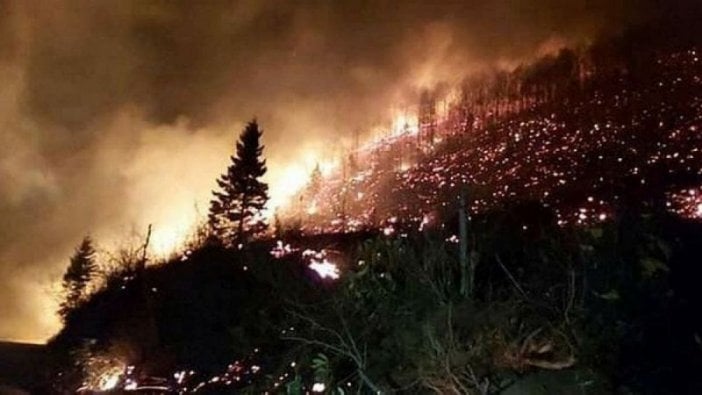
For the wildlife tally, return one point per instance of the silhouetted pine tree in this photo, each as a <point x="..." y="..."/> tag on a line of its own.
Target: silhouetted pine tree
<point x="77" y="277"/>
<point x="235" y="212"/>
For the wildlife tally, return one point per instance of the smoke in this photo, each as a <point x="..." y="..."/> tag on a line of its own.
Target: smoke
<point x="114" y="115"/>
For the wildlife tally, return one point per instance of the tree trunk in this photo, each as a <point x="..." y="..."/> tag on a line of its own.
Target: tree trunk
<point x="240" y="229"/>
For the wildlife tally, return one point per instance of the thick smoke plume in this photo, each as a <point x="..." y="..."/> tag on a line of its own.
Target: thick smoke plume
<point x="114" y="115"/>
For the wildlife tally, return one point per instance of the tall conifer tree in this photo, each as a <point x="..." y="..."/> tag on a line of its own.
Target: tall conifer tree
<point x="80" y="271"/>
<point x="236" y="210"/>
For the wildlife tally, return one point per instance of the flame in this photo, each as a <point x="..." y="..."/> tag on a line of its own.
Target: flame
<point x="110" y="381"/>
<point x="405" y="123"/>
<point x="104" y="373"/>
<point x="325" y="269"/>
<point x="286" y="182"/>
<point x="312" y="209"/>
<point x="173" y="233"/>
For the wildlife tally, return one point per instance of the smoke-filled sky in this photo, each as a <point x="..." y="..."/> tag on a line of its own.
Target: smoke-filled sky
<point x="117" y="114"/>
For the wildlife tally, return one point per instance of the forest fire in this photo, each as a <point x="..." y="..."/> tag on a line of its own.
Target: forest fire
<point x="448" y="197"/>
<point x="505" y="140"/>
<point x="487" y="146"/>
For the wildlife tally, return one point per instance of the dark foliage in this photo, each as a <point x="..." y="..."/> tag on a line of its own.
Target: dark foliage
<point x="235" y="211"/>
<point x="80" y="271"/>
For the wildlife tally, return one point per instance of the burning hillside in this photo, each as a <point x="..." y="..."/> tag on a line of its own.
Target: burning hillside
<point x="583" y="133"/>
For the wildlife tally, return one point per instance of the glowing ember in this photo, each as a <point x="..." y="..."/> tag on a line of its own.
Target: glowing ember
<point x="687" y="203"/>
<point x="281" y="250"/>
<point x="130" y="385"/>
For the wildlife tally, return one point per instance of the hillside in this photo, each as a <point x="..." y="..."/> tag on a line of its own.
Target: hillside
<point x="583" y="133"/>
<point x="208" y="309"/>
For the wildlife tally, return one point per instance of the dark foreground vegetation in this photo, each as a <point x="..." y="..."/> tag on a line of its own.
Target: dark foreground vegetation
<point x="539" y="309"/>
